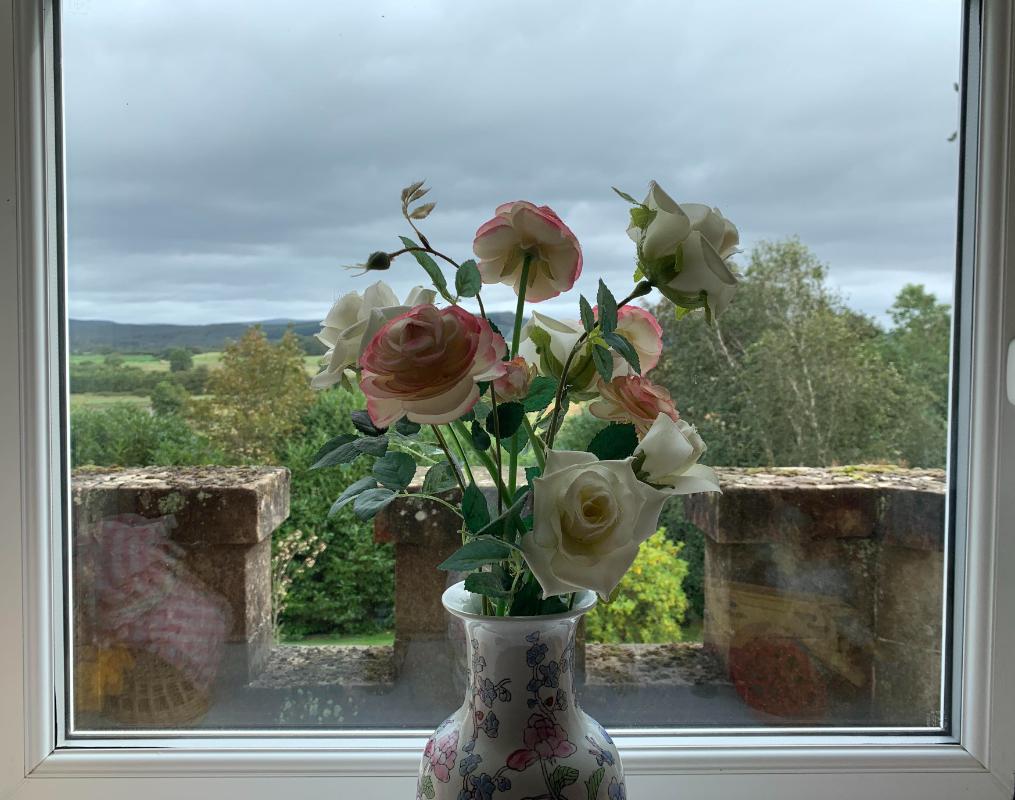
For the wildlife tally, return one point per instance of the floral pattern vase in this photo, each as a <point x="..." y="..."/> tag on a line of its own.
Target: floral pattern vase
<point x="520" y="732"/>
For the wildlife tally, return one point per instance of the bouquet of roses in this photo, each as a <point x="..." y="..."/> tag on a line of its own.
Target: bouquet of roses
<point x="448" y="392"/>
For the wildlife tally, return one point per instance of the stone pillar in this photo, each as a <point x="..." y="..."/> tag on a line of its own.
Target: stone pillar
<point x="219" y="521"/>
<point x="823" y="590"/>
<point x="425" y="534"/>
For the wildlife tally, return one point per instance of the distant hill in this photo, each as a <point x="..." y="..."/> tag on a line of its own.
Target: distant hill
<point x="90" y="336"/>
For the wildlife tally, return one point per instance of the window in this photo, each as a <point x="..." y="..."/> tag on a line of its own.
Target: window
<point x="919" y="724"/>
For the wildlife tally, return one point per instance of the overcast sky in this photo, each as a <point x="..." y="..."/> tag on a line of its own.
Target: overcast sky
<point x="224" y="159"/>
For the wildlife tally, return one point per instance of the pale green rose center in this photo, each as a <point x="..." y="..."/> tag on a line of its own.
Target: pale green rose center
<point x="590" y="512"/>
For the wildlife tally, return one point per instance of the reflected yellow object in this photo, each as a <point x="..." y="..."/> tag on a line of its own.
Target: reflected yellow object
<point x="99" y="672"/>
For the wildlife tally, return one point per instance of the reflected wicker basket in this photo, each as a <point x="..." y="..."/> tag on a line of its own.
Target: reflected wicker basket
<point x="155" y="694"/>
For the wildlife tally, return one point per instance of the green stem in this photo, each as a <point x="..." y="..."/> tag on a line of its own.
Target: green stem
<point x="538" y="445"/>
<point x="485" y="460"/>
<point x="461" y="450"/>
<point x="451" y="459"/>
<point x="516" y="340"/>
<point x="435" y="499"/>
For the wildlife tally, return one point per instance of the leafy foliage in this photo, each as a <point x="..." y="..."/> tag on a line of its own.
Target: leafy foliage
<point x="649" y="603"/>
<point x="260" y="393"/>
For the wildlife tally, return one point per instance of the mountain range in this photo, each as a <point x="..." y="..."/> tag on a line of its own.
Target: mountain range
<point x="92" y="335"/>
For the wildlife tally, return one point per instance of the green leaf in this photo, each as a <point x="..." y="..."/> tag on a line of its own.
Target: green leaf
<point x="481" y="410"/>
<point x="489" y="583"/>
<point x="542" y="390"/>
<point x="351" y="491"/>
<point x="427" y="263"/>
<point x="588" y="318"/>
<point x="480" y="439"/>
<point x="508" y="420"/>
<point x="426" y="787"/>
<point x="527" y="600"/>
<point x="614" y="442"/>
<point x="625" y="348"/>
<point x="406" y="427"/>
<point x="607" y="308"/>
<point x="439" y="478"/>
<point x="626" y="196"/>
<point x="604" y="362"/>
<point x="561" y="777"/>
<point x="333" y="444"/>
<point x="362" y="422"/>
<point x="642" y="216"/>
<point x="350" y="449"/>
<point x="395" y="470"/>
<point x="531" y="473"/>
<point x="468" y="281"/>
<point x="475" y="554"/>
<point x="593" y="783"/>
<point x="371" y="501"/>
<point x="474" y="508"/>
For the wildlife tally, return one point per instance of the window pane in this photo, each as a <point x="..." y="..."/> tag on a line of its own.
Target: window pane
<point x="225" y="161"/>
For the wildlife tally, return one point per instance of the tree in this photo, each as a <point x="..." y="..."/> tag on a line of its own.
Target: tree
<point x="180" y="359"/>
<point x="259" y="395"/>
<point x="168" y="397"/>
<point x="789" y="375"/>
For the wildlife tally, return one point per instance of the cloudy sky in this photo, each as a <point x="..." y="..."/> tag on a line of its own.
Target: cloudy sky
<point x="225" y="159"/>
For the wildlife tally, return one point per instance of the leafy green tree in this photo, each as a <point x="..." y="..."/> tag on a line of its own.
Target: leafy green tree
<point x="180" y="359"/>
<point x="260" y="395"/>
<point x="789" y="375"/>
<point x="649" y="603"/>
<point x="169" y="397"/>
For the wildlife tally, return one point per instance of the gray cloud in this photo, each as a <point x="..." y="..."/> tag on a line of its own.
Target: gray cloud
<point x="225" y="158"/>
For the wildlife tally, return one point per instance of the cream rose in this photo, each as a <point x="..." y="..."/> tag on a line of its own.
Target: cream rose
<point x="670" y="452"/>
<point x="589" y="518"/>
<point x="684" y="250"/>
<point x="353" y="321"/>
<point x="546" y="342"/>
<point x="425" y="365"/>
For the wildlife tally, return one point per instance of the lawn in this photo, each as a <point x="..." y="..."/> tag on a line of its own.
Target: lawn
<point x="150" y="363"/>
<point x="104" y="400"/>
<point x="385" y="637"/>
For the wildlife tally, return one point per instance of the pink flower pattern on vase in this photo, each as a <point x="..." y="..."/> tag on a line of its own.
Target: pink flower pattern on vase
<point x="513" y="744"/>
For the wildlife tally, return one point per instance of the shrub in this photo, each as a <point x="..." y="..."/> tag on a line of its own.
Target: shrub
<point x="350" y="587"/>
<point x="180" y="359"/>
<point x="649" y="603"/>
<point x="127" y="436"/>
<point x="168" y="397"/>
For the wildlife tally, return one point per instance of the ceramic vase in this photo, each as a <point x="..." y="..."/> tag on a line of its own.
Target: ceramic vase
<point x="520" y="732"/>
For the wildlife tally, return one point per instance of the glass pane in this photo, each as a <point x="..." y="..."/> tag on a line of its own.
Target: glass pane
<point x="226" y="160"/>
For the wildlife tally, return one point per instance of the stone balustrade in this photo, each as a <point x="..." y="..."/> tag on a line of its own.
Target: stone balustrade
<point x="824" y="587"/>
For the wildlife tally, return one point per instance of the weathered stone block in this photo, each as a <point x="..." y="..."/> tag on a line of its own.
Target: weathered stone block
<point x="844" y="564"/>
<point x="221" y="519"/>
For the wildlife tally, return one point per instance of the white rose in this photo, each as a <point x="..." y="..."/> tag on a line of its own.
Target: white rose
<point x="589" y="517"/>
<point x="671" y="450"/>
<point x="353" y="321"/>
<point x="684" y="250"/>
<point x="547" y="342"/>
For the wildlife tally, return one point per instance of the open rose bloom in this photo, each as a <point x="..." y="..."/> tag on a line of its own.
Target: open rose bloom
<point x="446" y="390"/>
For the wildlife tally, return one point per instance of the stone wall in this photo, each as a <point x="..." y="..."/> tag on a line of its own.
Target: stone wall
<point x="824" y="590"/>
<point x="173" y="565"/>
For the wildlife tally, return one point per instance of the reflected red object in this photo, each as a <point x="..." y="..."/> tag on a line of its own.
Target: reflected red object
<point x="778" y="676"/>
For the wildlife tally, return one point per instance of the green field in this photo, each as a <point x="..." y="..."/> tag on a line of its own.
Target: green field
<point x="150" y="363"/>
<point x="104" y="400"/>
<point x="385" y="637"/>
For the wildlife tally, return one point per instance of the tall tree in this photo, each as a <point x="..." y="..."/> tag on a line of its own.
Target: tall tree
<point x="258" y="397"/>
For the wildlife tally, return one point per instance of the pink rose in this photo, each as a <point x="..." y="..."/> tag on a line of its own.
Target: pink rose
<point x="632" y="398"/>
<point x="643" y="331"/>
<point x="425" y="364"/>
<point x="522" y="228"/>
<point x="514" y="383"/>
<point x="543" y="738"/>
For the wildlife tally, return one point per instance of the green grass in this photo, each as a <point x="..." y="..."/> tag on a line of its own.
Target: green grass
<point x="150" y="363"/>
<point x="385" y="637"/>
<point x="692" y="631"/>
<point x="103" y="400"/>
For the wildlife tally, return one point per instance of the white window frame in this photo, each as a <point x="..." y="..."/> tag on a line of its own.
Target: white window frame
<point x="976" y="761"/>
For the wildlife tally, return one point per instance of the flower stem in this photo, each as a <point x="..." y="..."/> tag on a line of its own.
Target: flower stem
<point x="538" y="445"/>
<point x="516" y="340"/>
<point x="485" y="460"/>
<point x="451" y="459"/>
<point x="640" y="290"/>
<point x="461" y="450"/>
